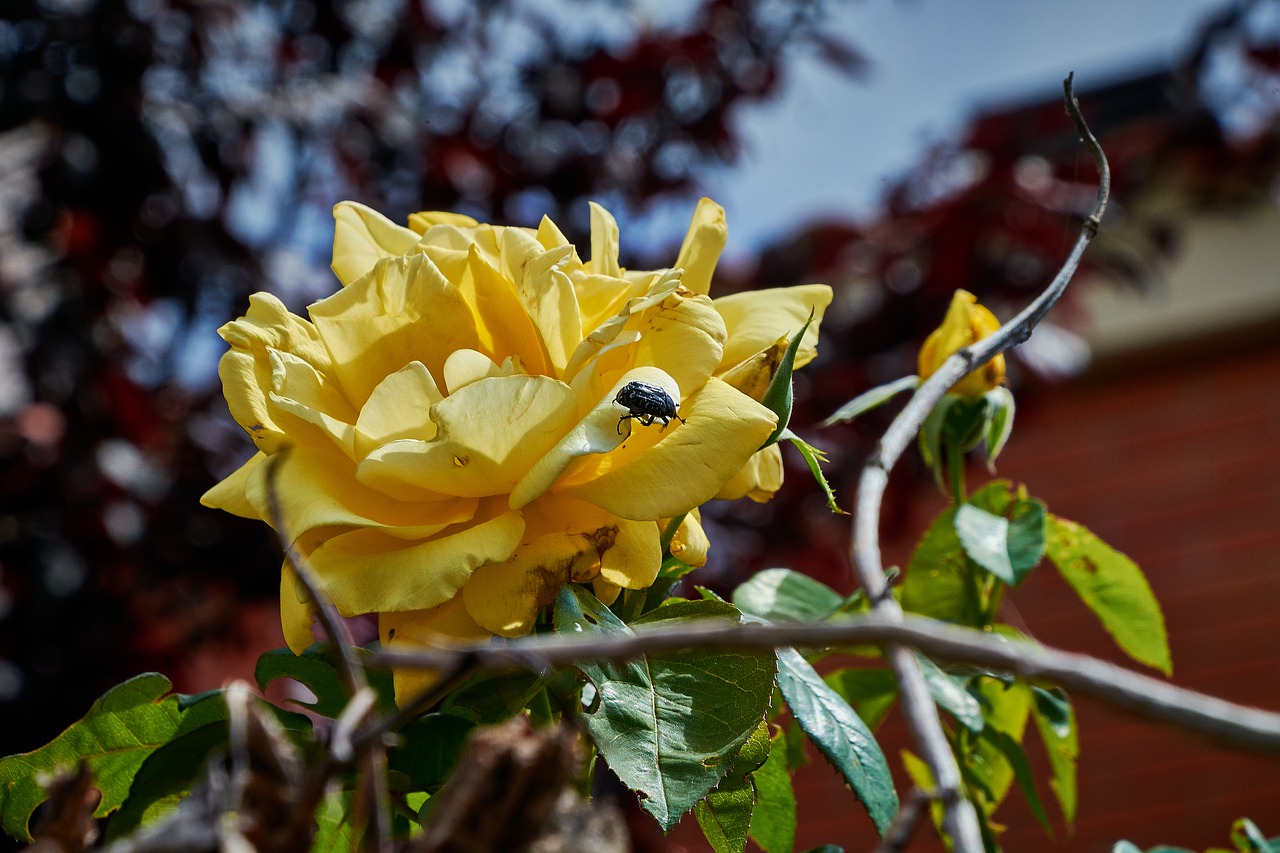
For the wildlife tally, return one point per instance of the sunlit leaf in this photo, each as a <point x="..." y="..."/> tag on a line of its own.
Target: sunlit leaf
<point x="1007" y="546"/>
<point x="668" y="725"/>
<point x="1114" y="588"/>
<point x="1000" y="410"/>
<point x="950" y="694"/>
<point x="1056" y="722"/>
<point x="872" y="399"/>
<point x="813" y="457"/>
<point x="122" y="728"/>
<point x="773" y="823"/>
<point x="936" y="582"/>
<point x="871" y="692"/>
<point x="778" y="396"/>
<point x="1247" y="838"/>
<point x="781" y="595"/>
<point x="1017" y="759"/>
<point x="840" y="735"/>
<point x="725" y="815"/>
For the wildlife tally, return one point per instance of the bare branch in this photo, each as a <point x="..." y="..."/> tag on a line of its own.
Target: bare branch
<point x="1228" y="724"/>
<point x="899" y="833"/>
<point x="922" y="715"/>
<point x="373" y="760"/>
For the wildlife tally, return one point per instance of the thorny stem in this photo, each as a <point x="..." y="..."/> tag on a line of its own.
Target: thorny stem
<point x="960" y="822"/>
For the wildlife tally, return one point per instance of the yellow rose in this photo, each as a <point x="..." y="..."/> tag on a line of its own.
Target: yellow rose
<point x="966" y="323"/>
<point x="455" y="452"/>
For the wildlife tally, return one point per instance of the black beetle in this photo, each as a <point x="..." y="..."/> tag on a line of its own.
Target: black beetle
<point x="646" y="403"/>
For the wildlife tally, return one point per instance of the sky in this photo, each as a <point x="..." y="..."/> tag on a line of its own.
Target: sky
<point x="830" y="143"/>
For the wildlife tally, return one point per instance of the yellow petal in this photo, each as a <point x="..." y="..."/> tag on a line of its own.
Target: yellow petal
<point x="401" y="312"/>
<point x="752" y="376"/>
<point x="309" y="406"/>
<point x="246" y="370"/>
<point x="690" y="544"/>
<point x="400" y="407"/>
<point x="549" y="234"/>
<point x="505" y="597"/>
<point x="504" y="328"/>
<point x="296" y="611"/>
<point x="630" y="553"/>
<point x="599" y="432"/>
<point x="604" y="242"/>
<point x="966" y="323"/>
<point x="466" y="366"/>
<point x="362" y="237"/>
<point x="428" y="219"/>
<point x="759" y="479"/>
<point x="683" y="335"/>
<point x="755" y="319"/>
<point x="445" y="625"/>
<point x="606" y="592"/>
<point x="702" y="246"/>
<point x="318" y="489"/>
<point x="546" y="293"/>
<point x="688" y="465"/>
<point x="229" y="494"/>
<point x="490" y="433"/>
<point x="367" y="571"/>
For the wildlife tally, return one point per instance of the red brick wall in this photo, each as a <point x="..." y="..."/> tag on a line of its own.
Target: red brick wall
<point x="1178" y="467"/>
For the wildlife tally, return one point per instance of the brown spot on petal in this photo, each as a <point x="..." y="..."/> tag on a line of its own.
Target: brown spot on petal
<point x="460" y="461"/>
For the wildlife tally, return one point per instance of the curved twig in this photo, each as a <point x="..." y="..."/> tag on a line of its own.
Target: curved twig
<point x="921" y="713"/>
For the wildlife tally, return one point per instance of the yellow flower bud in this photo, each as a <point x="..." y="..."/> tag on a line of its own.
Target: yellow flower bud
<point x="966" y="323"/>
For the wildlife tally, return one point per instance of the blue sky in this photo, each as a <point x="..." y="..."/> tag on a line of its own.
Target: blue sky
<point x="830" y="143"/>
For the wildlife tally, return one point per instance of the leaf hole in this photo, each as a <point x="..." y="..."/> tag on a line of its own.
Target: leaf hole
<point x="711" y="761"/>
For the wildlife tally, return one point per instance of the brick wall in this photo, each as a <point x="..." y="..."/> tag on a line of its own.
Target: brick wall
<point x="1178" y="467"/>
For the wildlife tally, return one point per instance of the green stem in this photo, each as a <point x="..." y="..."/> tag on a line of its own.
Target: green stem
<point x="955" y="473"/>
<point x="540" y="712"/>
<point x="669" y="532"/>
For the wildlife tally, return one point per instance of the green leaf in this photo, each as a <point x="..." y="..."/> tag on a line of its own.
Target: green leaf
<point x="1005" y="708"/>
<point x="936" y="581"/>
<point x="773" y="823"/>
<point x="868" y="400"/>
<point x="429" y="748"/>
<point x="778" y="396"/>
<point x="1010" y="547"/>
<point x="725" y="815"/>
<point x="840" y="735"/>
<point x="1125" y="847"/>
<point x="1247" y="838"/>
<point x="166" y="776"/>
<point x="930" y="437"/>
<point x="1000" y="409"/>
<point x="122" y="728"/>
<point x="870" y="692"/>
<point x="813" y="457"/>
<point x="334" y="827"/>
<point x="317" y="670"/>
<point x="488" y="698"/>
<point x="1114" y="588"/>
<point x="1017" y="759"/>
<point x="1056" y="722"/>
<point x="668" y="725"/>
<point x="950" y="694"/>
<point x="781" y="595"/>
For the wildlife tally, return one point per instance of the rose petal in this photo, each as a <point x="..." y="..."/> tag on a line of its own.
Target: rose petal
<point x="504" y="327"/>
<point x="546" y="293"/>
<point x="604" y="242"/>
<point x="505" y="598"/>
<point x="368" y="571"/>
<point x="425" y="220"/>
<point x="597" y="433"/>
<point x="683" y="335"/>
<point x="630" y="553"/>
<point x="362" y="237"/>
<point x="309" y="406"/>
<point x="690" y="544"/>
<point x="759" y="479"/>
<point x="702" y="245"/>
<point x="411" y="630"/>
<point x="401" y="312"/>
<point x="688" y="465"/>
<point x="466" y="366"/>
<point x="296" y="611"/>
<point x="229" y="494"/>
<point x="490" y="434"/>
<point x="318" y="489"/>
<point x="400" y="407"/>
<point x="755" y="319"/>
<point x="753" y="376"/>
